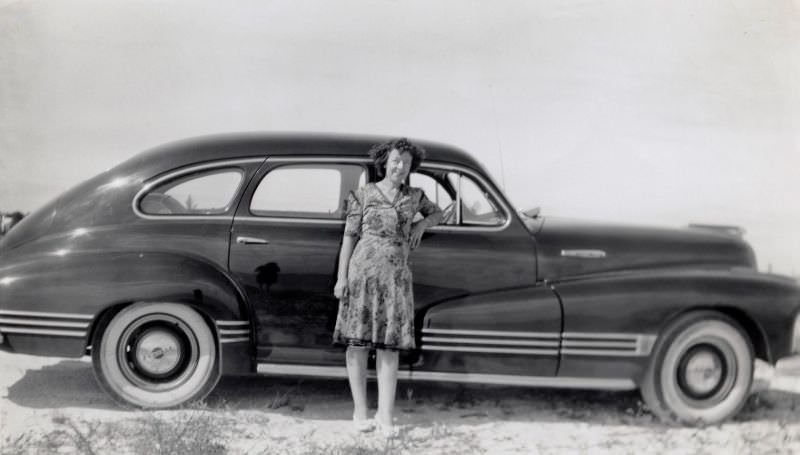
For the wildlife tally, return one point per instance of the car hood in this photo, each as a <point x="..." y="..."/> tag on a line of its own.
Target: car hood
<point x="571" y="248"/>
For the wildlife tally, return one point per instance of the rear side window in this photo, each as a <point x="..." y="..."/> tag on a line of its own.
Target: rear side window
<point x="307" y="190"/>
<point x="202" y="193"/>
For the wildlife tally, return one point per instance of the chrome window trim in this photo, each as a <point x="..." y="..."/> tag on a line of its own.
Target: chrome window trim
<point x="275" y="219"/>
<point x="490" y="188"/>
<point x="478" y="378"/>
<point x="188" y="170"/>
<point x="300" y="160"/>
<point x="317" y="159"/>
<point x="504" y="208"/>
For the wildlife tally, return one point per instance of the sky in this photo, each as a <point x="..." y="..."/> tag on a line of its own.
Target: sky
<point x="647" y="112"/>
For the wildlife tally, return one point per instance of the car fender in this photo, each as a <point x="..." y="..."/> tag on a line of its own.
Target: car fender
<point x="639" y="305"/>
<point x="85" y="284"/>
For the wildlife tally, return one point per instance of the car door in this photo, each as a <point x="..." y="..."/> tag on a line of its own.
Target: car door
<point x="479" y="307"/>
<point x="285" y="243"/>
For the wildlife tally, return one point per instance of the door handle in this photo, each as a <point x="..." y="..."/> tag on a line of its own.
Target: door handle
<point x="251" y="240"/>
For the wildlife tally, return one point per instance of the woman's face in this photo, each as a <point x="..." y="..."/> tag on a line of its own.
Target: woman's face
<point x="398" y="165"/>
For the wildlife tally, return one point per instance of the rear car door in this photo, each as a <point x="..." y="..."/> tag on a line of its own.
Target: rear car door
<point x="285" y="242"/>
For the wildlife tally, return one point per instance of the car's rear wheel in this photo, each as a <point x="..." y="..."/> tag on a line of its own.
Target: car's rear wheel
<point x="701" y="370"/>
<point x="156" y="355"/>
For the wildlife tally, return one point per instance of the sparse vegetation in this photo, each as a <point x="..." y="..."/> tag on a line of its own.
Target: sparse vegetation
<point x="187" y="432"/>
<point x="266" y="416"/>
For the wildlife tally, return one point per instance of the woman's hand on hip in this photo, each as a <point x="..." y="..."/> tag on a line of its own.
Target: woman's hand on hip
<point x="417" y="229"/>
<point x="340" y="289"/>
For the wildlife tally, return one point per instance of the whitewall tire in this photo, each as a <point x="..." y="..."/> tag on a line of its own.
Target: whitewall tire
<point x="156" y="355"/>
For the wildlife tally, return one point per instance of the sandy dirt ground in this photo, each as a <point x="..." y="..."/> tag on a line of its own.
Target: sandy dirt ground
<point x="54" y="405"/>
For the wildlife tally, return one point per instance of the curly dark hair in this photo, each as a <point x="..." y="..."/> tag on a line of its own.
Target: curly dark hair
<point x="380" y="153"/>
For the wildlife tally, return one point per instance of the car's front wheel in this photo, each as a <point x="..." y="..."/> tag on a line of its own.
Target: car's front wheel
<point x="156" y="355"/>
<point x="701" y="370"/>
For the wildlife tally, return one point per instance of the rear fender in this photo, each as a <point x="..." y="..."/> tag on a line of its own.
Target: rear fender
<point x="92" y="285"/>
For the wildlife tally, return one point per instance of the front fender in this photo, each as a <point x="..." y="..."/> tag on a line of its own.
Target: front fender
<point x="645" y="302"/>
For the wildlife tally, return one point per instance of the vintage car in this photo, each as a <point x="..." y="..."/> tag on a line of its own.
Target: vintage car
<point x="217" y="256"/>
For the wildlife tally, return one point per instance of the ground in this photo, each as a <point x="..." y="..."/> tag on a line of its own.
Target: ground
<point x="52" y="405"/>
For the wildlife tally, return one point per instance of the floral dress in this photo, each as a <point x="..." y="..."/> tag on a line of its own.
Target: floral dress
<point x="377" y="308"/>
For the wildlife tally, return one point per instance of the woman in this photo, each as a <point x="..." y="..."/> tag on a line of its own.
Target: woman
<point x="374" y="286"/>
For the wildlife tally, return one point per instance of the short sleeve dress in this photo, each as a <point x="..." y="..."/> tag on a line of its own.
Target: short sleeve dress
<point x="377" y="308"/>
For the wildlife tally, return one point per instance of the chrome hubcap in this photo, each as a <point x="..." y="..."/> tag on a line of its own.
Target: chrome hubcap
<point x="706" y="373"/>
<point x="703" y="372"/>
<point x="158" y="352"/>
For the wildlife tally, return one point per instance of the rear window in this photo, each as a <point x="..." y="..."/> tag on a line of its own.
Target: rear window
<point x="202" y="193"/>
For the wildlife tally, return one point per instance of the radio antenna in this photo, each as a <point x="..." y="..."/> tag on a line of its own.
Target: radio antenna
<point x="497" y="139"/>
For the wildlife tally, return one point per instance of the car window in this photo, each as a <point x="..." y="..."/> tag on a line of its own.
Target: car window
<point x="477" y="205"/>
<point x="477" y="208"/>
<point x="202" y="193"/>
<point x="433" y="190"/>
<point x="307" y="190"/>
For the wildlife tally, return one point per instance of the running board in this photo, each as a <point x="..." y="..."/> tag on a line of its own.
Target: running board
<point x="416" y="375"/>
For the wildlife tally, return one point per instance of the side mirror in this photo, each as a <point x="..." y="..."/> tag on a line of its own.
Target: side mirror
<point x="531" y="213"/>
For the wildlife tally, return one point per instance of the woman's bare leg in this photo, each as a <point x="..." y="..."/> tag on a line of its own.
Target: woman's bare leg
<point x="356" y="360"/>
<point x="387" y="364"/>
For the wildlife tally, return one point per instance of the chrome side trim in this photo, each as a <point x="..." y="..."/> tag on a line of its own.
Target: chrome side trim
<point x="500" y="379"/>
<point x="603" y="335"/>
<point x="607" y="344"/>
<point x="599" y="344"/>
<point x="234" y="340"/>
<point x="302" y="370"/>
<point x="233" y="331"/>
<point x="41" y="314"/>
<point x="232" y="323"/>
<point x="57" y="333"/>
<point x="189" y="170"/>
<point x="586" y="254"/>
<point x="224" y="332"/>
<point x="532" y="381"/>
<point x="44" y="323"/>
<point x="490" y="341"/>
<point x="501" y="333"/>
<point x="601" y="352"/>
<point x="490" y="350"/>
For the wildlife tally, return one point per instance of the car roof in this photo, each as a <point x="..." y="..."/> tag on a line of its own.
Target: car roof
<point x="242" y="145"/>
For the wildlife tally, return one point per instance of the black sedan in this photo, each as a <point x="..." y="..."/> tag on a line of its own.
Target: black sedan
<point x="218" y="256"/>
